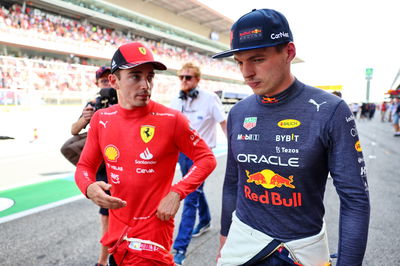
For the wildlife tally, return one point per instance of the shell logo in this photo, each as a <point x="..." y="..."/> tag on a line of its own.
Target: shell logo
<point x="357" y="146"/>
<point x="289" y="123"/>
<point x="111" y="152"/>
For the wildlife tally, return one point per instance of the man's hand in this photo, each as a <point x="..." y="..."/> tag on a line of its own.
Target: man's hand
<point x="87" y="113"/>
<point x="95" y="192"/>
<point x="222" y="240"/>
<point x="168" y="206"/>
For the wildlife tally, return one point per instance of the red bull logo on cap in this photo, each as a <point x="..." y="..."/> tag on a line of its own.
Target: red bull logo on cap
<point x="268" y="179"/>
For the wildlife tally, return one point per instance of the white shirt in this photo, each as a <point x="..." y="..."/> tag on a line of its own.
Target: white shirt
<point x="203" y="112"/>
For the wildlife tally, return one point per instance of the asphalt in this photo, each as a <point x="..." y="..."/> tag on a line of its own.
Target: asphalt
<point x="68" y="234"/>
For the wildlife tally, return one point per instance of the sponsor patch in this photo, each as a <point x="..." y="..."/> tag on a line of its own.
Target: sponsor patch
<point x="286" y="138"/>
<point x="288" y="123"/>
<point x="135" y="245"/>
<point x="114" y="178"/>
<point x="111" y="153"/>
<point x="254" y="137"/>
<point x="251" y="34"/>
<point x="250" y="122"/>
<point x="269" y="179"/>
<point x="147" y="133"/>
<point x="274" y="198"/>
<point x="144" y="171"/>
<point x="146" y="155"/>
<point x="264" y="159"/>
<point x="357" y="146"/>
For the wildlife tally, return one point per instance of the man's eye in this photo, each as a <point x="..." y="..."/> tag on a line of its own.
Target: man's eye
<point x="150" y="78"/>
<point x="258" y="60"/>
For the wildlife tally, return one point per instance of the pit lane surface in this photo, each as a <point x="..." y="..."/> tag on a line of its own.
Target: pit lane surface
<point x="68" y="234"/>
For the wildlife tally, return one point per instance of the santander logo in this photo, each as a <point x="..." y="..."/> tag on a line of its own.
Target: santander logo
<point x="146" y="155"/>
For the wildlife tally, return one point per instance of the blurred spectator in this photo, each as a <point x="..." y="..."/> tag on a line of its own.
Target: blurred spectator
<point x="395" y="117"/>
<point x="371" y="110"/>
<point x="383" y="108"/>
<point x="35" y="23"/>
<point x="354" y="109"/>
<point x="364" y="111"/>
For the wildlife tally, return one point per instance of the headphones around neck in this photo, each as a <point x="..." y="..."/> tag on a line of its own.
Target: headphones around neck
<point x="193" y="93"/>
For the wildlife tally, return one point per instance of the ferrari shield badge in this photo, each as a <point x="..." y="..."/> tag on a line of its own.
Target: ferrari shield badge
<point x="147" y="133"/>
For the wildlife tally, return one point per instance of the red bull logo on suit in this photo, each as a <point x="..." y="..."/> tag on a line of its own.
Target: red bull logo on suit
<point x="269" y="180"/>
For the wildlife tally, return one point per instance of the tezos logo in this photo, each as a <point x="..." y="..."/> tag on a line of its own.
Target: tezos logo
<point x="288" y="123"/>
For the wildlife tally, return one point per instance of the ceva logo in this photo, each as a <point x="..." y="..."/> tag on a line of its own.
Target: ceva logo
<point x="289" y="123"/>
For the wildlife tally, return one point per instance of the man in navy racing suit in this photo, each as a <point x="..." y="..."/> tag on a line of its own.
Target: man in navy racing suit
<point x="282" y="142"/>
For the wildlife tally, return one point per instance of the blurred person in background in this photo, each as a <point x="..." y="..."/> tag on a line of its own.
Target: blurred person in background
<point x="371" y="110"/>
<point x="139" y="141"/>
<point x="204" y="111"/>
<point x="101" y="175"/>
<point x="383" y="108"/>
<point x="391" y="107"/>
<point x="395" y="117"/>
<point x="354" y="109"/>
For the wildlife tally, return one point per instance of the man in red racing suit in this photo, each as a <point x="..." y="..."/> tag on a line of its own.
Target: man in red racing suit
<point x="139" y="141"/>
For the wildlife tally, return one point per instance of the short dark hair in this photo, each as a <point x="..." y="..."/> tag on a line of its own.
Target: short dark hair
<point x="116" y="72"/>
<point x="279" y="48"/>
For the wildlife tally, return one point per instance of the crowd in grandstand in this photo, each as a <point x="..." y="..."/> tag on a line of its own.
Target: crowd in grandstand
<point x="63" y="79"/>
<point x="35" y="23"/>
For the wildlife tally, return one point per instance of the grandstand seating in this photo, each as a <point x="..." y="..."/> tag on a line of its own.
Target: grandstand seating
<point x="60" y="81"/>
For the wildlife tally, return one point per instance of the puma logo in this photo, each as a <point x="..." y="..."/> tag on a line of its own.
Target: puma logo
<point x="312" y="101"/>
<point x="103" y="123"/>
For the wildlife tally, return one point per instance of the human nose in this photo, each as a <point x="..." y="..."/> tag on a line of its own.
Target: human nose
<point x="247" y="70"/>
<point x="146" y="84"/>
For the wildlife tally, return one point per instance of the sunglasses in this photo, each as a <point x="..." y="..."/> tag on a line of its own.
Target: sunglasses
<point x="186" y="77"/>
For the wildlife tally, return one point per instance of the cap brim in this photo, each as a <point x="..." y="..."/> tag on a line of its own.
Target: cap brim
<point x="225" y="54"/>
<point x="157" y="65"/>
<point x="232" y="51"/>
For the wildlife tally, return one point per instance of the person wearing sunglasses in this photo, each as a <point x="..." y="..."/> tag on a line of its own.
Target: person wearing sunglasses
<point x="204" y="111"/>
